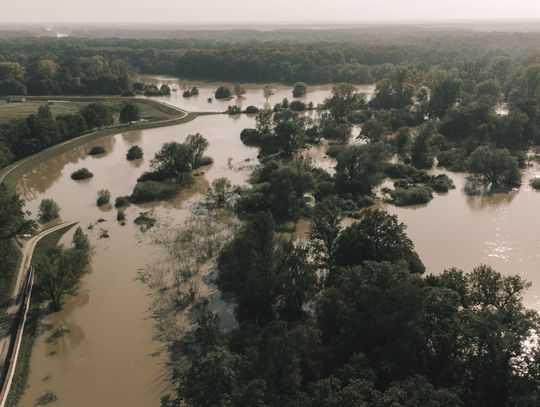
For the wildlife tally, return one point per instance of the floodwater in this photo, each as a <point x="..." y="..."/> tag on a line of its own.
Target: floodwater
<point x="501" y="230"/>
<point x="253" y="96"/>
<point x="109" y="357"/>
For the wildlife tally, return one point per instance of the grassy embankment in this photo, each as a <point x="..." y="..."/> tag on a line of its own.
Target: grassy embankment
<point x="157" y="115"/>
<point x="32" y="323"/>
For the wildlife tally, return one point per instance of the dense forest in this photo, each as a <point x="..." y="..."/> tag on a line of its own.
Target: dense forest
<point x="107" y="66"/>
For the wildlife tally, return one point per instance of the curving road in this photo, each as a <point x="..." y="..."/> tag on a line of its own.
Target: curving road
<point x="12" y="328"/>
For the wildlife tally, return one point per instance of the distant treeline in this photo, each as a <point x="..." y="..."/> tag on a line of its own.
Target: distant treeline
<point x="108" y="66"/>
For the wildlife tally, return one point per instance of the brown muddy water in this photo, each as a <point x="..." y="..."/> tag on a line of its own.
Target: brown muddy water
<point x="109" y="357"/>
<point x="253" y="96"/>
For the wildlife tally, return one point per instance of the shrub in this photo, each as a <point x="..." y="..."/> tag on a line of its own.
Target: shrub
<point x="299" y="90"/>
<point x="144" y="221"/>
<point x="441" y="183"/>
<point x="128" y="93"/>
<point x="411" y="196"/>
<point x="104" y="197"/>
<point x="48" y="210"/>
<point x="251" y="110"/>
<point x="297" y="106"/>
<point x="250" y="137"/>
<point x="120" y="216"/>
<point x="148" y="191"/>
<point x="121" y="201"/>
<point x="223" y="93"/>
<point x="233" y="109"/>
<point x="134" y="153"/>
<point x="535" y="183"/>
<point x="96" y="150"/>
<point x="186" y="94"/>
<point x="82" y="173"/>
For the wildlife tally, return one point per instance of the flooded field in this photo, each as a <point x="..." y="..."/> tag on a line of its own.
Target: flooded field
<point x="110" y="335"/>
<point x="109" y="331"/>
<point x="253" y="96"/>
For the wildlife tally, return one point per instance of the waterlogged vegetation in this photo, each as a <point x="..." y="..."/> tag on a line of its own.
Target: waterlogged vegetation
<point x="290" y="281"/>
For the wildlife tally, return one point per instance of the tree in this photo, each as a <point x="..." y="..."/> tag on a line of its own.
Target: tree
<point x="12" y="215"/>
<point x="103" y="197"/>
<point x="299" y="90"/>
<point x="134" y="153"/>
<point x="395" y="91"/>
<point x="324" y="231"/>
<point x="130" y="113"/>
<point x="360" y="168"/>
<point x="239" y="90"/>
<point x="268" y="92"/>
<point x="496" y="166"/>
<point x="172" y="160"/>
<point x="445" y="89"/>
<point x="48" y="210"/>
<point x="220" y="193"/>
<point x="377" y="236"/>
<point x="198" y="145"/>
<point x="421" y="155"/>
<point x="97" y="115"/>
<point x="343" y="101"/>
<point x="223" y="93"/>
<point x="267" y="278"/>
<point x="60" y="268"/>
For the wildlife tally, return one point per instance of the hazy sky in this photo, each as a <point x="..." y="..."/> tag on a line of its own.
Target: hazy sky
<point x="229" y="11"/>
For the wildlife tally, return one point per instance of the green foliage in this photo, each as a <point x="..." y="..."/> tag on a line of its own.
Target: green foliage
<point x="495" y="166"/>
<point x="376" y="236"/>
<point x="103" y="197"/>
<point x="360" y="168"/>
<point x="121" y="201"/>
<point x="148" y="191"/>
<point x="97" y="115"/>
<point x="414" y="195"/>
<point x="221" y="193"/>
<point x="250" y="137"/>
<point x="60" y="269"/>
<point x="130" y="113"/>
<point x="48" y="210"/>
<point x="223" y="93"/>
<point x="251" y="110"/>
<point x="535" y="183"/>
<point x="82" y="173"/>
<point x="12" y="215"/>
<point x="134" y="153"/>
<point x="299" y="90"/>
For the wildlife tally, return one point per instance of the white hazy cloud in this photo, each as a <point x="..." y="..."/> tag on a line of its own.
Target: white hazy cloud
<point x="231" y="11"/>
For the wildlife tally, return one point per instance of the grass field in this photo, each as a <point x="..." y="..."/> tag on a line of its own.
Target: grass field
<point x="150" y="110"/>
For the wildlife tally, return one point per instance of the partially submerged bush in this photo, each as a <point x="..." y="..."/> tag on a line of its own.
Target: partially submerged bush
<point x="104" y="197"/>
<point x="145" y="221"/>
<point x="250" y="137"/>
<point x="48" y="210"/>
<point x="134" y="153"/>
<point x="223" y="93"/>
<point x="148" y="191"/>
<point x="96" y="150"/>
<point x="535" y="183"/>
<point x="82" y="173"/>
<point x="121" y="201"/>
<point x="411" y="196"/>
<point x="441" y="183"/>
<point x="251" y="110"/>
